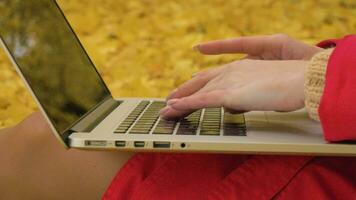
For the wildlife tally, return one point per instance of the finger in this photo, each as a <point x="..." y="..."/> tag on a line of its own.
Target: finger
<point x="252" y="45"/>
<point x="187" y="105"/>
<point x="199" y="80"/>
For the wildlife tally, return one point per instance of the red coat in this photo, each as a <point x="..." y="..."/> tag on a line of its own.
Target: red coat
<point x="209" y="176"/>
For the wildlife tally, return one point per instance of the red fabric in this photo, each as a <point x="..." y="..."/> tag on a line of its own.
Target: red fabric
<point x="328" y="43"/>
<point x="216" y="176"/>
<point x="337" y="108"/>
<point x="222" y="177"/>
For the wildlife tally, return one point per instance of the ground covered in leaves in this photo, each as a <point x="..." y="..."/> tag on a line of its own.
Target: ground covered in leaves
<point x="143" y="47"/>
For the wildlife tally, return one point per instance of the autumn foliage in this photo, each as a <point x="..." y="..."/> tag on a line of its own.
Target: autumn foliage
<point x="144" y="47"/>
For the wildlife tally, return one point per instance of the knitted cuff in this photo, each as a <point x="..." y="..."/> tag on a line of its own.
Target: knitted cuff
<point x="315" y="81"/>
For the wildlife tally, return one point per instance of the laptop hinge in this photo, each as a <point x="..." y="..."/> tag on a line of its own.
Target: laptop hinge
<point x="90" y="121"/>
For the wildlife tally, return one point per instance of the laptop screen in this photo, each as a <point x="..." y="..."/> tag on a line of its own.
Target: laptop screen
<point x="51" y="59"/>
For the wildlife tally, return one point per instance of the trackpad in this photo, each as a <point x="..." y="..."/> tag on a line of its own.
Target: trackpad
<point x="287" y="122"/>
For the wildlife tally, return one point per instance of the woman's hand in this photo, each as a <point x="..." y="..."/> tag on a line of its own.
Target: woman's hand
<point x="270" y="78"/>
<point x="242" y="86"/>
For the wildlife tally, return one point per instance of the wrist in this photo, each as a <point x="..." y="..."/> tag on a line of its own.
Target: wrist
<point x="312" y="52"/>
<point x="315" y="81"/>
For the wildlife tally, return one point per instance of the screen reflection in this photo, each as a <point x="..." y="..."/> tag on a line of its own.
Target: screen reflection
<point x="51" y="59"/>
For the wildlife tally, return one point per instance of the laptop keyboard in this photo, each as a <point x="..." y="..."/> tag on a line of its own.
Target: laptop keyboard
<point x="144" y="119"/>
<point x="189" y="125"/>
<point x="147" y="120"/>
<point x="133" y="116"/>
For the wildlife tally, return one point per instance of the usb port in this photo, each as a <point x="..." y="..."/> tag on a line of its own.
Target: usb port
<point x="165" y="145"/>
<point x="95" y="143"/>
<point x="139" y="144"/>
<point x="120" y="143"/>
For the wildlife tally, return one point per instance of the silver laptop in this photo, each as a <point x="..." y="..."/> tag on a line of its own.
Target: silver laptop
<point x="83" y="114"/>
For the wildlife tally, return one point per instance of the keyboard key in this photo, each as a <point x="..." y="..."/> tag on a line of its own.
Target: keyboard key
<point x="125" y="125"/>
<point x="234" y="132"/>
<point x="165" y="127"/>
<point x="163" y="131"/>
<point x="210" y="132"/>
<point x="189" y="125"/>
<point x="145" y="123"/>
<point x="234" y="118"/>
<point x="211" y="122"/>
<point x="144" y="131"/>
<point x="234" y="125"/>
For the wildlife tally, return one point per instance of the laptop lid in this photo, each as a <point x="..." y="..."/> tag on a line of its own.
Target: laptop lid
<point x="52" y="61"/>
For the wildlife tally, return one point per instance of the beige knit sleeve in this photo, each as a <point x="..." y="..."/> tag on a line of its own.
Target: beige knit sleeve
<point x="314" y="82"/>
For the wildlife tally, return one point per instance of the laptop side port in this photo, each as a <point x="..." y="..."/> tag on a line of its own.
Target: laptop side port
<point x="139" y="144"/>
<point x="120" y="143"/>
<point x="95" y="143"/>
<point x="163" y="145"/>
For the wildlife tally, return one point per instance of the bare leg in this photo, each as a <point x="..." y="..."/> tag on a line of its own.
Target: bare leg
<point x="33" y="165"/>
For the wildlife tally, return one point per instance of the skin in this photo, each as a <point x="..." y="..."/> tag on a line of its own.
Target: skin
<point x="271" y="77"/>
<point x="35" y="166"/>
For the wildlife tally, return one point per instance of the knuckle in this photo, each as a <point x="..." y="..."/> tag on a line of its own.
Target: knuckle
<point x="227" y="100"/>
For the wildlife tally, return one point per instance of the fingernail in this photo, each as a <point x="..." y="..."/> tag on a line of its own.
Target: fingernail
<point x="172" y="101"/>
<point x="172" y="94"/>
<point x="196" y="48"/>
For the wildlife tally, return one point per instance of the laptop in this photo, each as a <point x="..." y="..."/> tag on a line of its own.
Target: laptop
<point x="83" y="114"/>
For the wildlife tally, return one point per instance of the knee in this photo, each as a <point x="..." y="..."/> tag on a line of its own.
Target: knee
<point x="28" y="135"/>
<point x="34" y="124"/>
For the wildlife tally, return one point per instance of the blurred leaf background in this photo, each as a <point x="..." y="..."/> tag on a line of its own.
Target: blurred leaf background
<point x="144" y="47"/>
